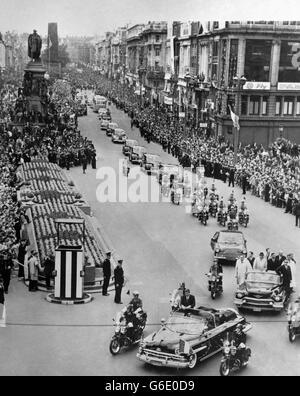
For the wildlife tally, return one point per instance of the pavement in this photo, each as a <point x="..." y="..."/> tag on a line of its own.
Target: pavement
<point x="162" y="245"/>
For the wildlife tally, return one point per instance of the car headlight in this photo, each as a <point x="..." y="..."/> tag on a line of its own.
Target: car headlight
<point x="277" y="298"/>
<point x="239" y="295"/>
<point x="123" y="330"/>
<point x="217" y="250"/>
<point x="244" y="251"/>
<point x="118" y="329"/>
<point x="227" y="350"/>
<point x="213" y="278"/>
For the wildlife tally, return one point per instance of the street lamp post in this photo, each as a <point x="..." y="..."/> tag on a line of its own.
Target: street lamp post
<point x="238" y="83"/>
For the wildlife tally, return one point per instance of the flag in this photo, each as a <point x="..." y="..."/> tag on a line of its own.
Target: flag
<point x="235" y="119"/>
<point x="49" y="42"/>
<point x="184" y="347"/>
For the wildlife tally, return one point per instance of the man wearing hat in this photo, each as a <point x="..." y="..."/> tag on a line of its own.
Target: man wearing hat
<point x="106" y="273"/>
<point x="119" y="281"/>
<point x="33" y="267"/>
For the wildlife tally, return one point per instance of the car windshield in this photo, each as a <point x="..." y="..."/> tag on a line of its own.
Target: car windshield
<point x="267" y="280"/>
<point x="189" y="325"/>
<point x="119" y="132"/>
<point x="113" y="125"/>
<point x="230" y="238"/>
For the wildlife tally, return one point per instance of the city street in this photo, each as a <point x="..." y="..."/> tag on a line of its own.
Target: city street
<point x="161" y="245"/>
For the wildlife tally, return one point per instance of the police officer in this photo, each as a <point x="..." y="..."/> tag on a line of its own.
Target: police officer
<point x="136" y="302"/>
<point x="106" y="273"/>
<point x="119" y="281"/>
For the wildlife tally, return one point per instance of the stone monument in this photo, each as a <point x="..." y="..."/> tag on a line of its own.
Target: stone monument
<point x="35" y="85"/>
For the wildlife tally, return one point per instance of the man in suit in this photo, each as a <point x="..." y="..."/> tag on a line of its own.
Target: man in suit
<point x="106" y="273"/>
<point x="285" y="271"/>
<point x="280" y="258"/>
<point x="272" y="263"/>
<point x="231" y="177"/>
<point x="119" y="281"/>
<point x="188" y="301"/>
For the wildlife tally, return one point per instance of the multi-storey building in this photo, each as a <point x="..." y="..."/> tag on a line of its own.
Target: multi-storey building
<point x="133" y="51"/>
<point x="118" y="44"/>
<point x="153" y="59"/>
<point x="254" y="68"/>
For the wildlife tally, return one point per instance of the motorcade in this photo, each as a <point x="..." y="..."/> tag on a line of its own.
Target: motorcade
<point x="112" y="126"/>
<point x="244" y="218"/>
<point x="294" y="320"/>
<point x="222" y="217"/>
<point x="150" y="163"/>
<point x="196" y="206"/>
<point x="119" y="136"/>
<point x="105" y="116"/>
<point x="203" y="215"/>
<point x="136" y="154"/>
<point x="262" y="291"/>
<point x="189" y="336"/>
<point x="215" y="280"/>
<point x="128" y="330"/>
<point x="233" y="224"/>
<point x="228" y="245"/>
<point x="129" y="143"/>
<point x="104" y="125"/>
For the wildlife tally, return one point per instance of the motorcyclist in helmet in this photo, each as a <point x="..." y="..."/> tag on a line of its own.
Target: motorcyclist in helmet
<point x="239" y="337"/>
<point x="136" y="302"/>
<point x="243" y="206"/>
<point x="216" y="270"/>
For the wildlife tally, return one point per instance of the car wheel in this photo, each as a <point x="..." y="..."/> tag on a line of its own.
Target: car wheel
<point x="192" y="361"/>
<point x="114" y="347"/>
<point x="292" y="335"/>
<point x="224" y="369"/>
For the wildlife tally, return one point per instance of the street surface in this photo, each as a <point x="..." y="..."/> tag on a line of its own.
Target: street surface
<point x="161" y="245"/>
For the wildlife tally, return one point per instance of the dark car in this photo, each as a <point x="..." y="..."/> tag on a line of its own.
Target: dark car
<point x="136" y="154"/>
<point x="129" y="143"/>
<point x="150" y="163"/>
<point x="228" y="245"/>
<point x="188" y="337"/>
<point x="262" y="291"/>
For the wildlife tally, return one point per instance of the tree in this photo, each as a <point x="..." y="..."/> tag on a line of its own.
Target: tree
<point x="63" y="55"/>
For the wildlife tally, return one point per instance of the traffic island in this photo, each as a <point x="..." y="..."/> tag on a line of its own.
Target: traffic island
<point x="86" y="298"/>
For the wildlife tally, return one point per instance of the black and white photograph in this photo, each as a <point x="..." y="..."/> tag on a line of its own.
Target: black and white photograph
<point x="149" y="190"/>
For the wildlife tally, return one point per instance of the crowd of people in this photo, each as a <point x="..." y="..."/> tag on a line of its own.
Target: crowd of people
<point x="57" y="139"/>
<point x="271" y="173"/>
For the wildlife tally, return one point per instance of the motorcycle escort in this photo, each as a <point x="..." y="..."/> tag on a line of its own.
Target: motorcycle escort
<point x="213" y="206"/>
<point x="215" y="280"/>
<point x="294" y="320"/>
<point x="127" y="332"/>
<point x="233" y="225"/>
<point x="243" y="218"/>
<point x="203" y="215"/>
<point x="235" y="355"/>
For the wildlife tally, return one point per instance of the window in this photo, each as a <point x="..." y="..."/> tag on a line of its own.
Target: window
<point x="157" y="52"/>
<point x="157" y="37"/>
<point x="298" y="106"/>
<point x="244" y="105"/>
<point x="258" y="59"/>
<point x="288" y="105"/>
<point x="254" y="105"/>
<point x="278" y="105"/>
<point x="264" y="105"/>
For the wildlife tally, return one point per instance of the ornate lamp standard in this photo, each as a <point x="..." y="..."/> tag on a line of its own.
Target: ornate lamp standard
<point x="238" y="84"/>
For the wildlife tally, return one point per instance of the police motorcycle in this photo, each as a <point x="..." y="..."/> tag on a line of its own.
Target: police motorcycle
<point x="235" y="353"/>
<point x="215" y="280"/>
<point x="196" y="206"/>
<point x="129" y="328"/>
<point x="294" y="320"/>
<point x="213" y="193"/>
<point x="222" y="216"/>
<point x="203" y="214"/>
<point x="233" y="224"/>
<point x="213" y="206"/>
<point x="243" y="214"/>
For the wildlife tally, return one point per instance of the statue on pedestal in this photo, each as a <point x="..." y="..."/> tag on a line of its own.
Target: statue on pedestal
<point x="34" y="46"/>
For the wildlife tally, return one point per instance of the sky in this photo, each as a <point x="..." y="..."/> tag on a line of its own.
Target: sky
<point x="94" y="17"/>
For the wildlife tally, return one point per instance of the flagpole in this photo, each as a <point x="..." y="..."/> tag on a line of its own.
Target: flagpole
<point x="48" y="54"/>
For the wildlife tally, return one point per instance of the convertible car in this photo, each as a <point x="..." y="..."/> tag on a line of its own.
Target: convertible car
<point x="228" y="245"/>
<point x="188" y="337"/>
<point x="262" y="291"/>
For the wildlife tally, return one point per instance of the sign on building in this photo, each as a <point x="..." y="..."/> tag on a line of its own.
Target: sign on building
<point x="257" y="85"/>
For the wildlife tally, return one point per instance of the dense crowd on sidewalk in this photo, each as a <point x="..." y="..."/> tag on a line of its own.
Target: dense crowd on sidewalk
<point x="58" y="139"/>
<point x="271" y="173"/>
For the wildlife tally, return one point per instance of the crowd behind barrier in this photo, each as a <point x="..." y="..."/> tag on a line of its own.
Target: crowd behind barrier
<point x="271" y="173"/>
